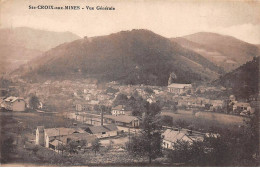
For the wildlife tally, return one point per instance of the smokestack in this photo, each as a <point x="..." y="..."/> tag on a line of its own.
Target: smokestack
<point x="101" y="118"/>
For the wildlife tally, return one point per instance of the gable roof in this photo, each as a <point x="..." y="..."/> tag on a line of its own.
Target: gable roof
<point x="55" y="142"/>
<point x="79" y="136"/>
<point x="180" y="86"/>
<point x="122" y="118"/>
<point x="12" y="99"/>
<point x="59" y="131"/>
<point x="104" y="128"/>
<point x="241" y="104"/>
<point x="111" y="127"/>
<point x="119" y="107"/>
<point x="173" y="136"/>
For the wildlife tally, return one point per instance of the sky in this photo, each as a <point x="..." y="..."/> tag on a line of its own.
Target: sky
<point x="169" y="18"/>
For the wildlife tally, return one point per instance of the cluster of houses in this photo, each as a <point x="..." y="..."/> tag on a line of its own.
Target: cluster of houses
<point x="242" y="108"/>
<point x="54" y="137"/>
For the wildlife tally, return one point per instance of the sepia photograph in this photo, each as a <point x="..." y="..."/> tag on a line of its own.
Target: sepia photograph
<point x="129" y="83"/>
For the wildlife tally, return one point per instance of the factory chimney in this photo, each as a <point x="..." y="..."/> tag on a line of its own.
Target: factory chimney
<point x="101" y="117"/>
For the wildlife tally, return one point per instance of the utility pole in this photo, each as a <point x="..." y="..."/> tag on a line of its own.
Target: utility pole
<point x="129" y="135"/>
<point x="101" y="116"/>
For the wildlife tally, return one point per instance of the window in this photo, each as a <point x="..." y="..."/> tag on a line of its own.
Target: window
<point x="103" y="133"/>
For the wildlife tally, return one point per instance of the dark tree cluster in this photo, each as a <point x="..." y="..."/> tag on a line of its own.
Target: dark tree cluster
<point x="227" y="149"/>
<point x="149" y="143"/>
<point x="136" y="103"/>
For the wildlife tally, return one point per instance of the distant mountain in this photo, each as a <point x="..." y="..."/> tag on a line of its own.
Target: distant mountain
<point x="130" y="57"/>
<point x="19" y="45"/>
<point x="225" y="51"/>
<point x="244" y="80"/>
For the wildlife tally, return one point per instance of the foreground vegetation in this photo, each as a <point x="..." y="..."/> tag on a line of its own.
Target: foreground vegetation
<point x="230" y="148"/>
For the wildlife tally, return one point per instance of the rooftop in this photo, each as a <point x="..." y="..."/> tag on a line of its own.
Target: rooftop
<point x="104" y="128"/>
<point x="122" y="118"/>
<point x="240" y="104"/>
<point x="61" y="131"/>
<point x="119" y="107"/>
<point x="179" y="86"/>
<point x="173" y="136"/>
<point x="12" y="99"/>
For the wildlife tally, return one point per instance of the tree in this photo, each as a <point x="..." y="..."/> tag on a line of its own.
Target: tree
<point x="61" y="148"/>
<point x="7" y="148"/>
<point x="95" y="146"/>
<point x="228" y="148"/>
<point x="35" y="149"/>
<point x="149" y="143"/>
<point x="198" y="91"/>
<point x="167" y="121"/>
<point x="174" y="108"/>
<point x="181" y="152"/>
<point x="192" y="154"/>
<point x="121" y="99"/>
<point x="72" y="147"/>
<point x="181" y="123"/>
<point x="111" y="90"/>
<point x="149" y="90"/>
<point x="34" y="102"/>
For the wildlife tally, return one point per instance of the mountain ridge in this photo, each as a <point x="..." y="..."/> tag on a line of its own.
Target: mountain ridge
<point x="20" y="45"/>
<point x="225" y="51"/>
<point x="137" y="56"/>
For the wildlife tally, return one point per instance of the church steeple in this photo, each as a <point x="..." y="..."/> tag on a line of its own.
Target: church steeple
<point x="172" y="77"/>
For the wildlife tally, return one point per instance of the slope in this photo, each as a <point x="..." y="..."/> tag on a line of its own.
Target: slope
<point x="130" y="57"/>
<point x="225" y="51"/>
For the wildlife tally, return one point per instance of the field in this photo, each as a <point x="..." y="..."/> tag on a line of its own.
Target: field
<point x="205" y="121"/>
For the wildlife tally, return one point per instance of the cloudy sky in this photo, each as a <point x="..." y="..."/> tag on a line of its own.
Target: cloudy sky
<point x="169" y="18"/>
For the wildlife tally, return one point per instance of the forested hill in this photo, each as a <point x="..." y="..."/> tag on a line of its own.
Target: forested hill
<point x="244" y="80"/>
<point x="130" y="57"/>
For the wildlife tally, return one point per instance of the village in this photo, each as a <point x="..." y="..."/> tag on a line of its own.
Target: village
<point x="110" y="115"/>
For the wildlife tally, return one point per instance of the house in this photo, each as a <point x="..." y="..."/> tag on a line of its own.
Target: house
<point x="94" y="102"/>
<point x="151" y="100"/>
<point x="14" y="104"/>
<point x="122" y="120"/>
<point x="52" y="134"/>
<point x="253" y="100"/>
<point x="217" y="103"/>
<point x="179" y="88"/>
<point x="103" y="131"/>
<point x="121" y="110"/>
<point x="240" y="106"/>
<point x="171" y="136"/>
<point x="53" y="137"/>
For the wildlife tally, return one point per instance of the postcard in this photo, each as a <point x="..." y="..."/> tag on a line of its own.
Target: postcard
<point x="129" y="83"/>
